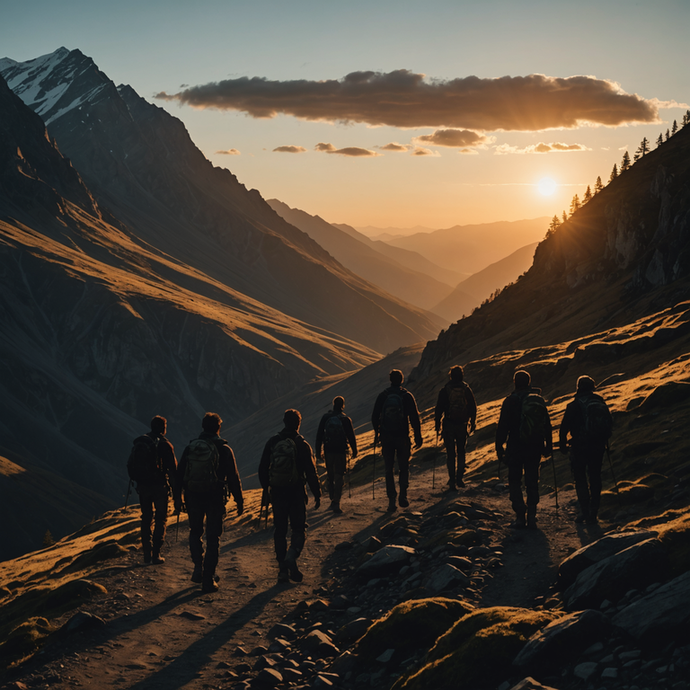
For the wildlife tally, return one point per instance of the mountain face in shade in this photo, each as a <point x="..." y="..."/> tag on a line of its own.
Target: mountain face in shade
<point x="140" y="164"/>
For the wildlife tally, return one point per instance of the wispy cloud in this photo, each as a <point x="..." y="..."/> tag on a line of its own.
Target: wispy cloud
<point x="541" y="147"/>
<point x="409" y="100"/>
<point x="395" y="147"/>
<point x="421" y="151"/>
<point x="455" y="138"/>
<point x="354" y="151"/>
<point x="290" y="149"/>
<point x="229" y="152"/>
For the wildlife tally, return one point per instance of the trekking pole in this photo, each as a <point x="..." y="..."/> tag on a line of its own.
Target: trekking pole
<point x="373" y="474"/>
<point x="613" y="474"/>
<point x="433" y="469"/>
<point x="349" y="481"/>
<point x="129" y="489"/>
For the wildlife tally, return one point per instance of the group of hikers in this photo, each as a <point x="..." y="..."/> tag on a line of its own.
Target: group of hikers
<point x="207" y="470"/>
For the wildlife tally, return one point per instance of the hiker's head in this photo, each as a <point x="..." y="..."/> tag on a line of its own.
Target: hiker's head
<point x="159" y="425"/>
<point x="396" y="377"/>
<point x="292" y="419"/>
<point x="522" y="380"/>
<point x="456" y="374"/>
<point x="211" y="423"/>
<point x="338" y="403"/>
<point x="585" y="384"/>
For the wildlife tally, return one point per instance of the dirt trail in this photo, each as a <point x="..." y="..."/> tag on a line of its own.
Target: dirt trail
<point x="162" y="632"/>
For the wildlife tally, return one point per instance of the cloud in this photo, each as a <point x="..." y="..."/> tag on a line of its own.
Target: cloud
<point x="354" y="151"/>
<point x="421" y="151"/>
<point x="456" y="138"/>
<point x="541" y="147"/>
<point x="229" y="152"/>
<point x="408" y="100"/>
<point x="290" y="149"/>
<point x="395" y="147"/>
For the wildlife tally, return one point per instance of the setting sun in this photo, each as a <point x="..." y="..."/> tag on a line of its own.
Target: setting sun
<point x="546" y="186"/>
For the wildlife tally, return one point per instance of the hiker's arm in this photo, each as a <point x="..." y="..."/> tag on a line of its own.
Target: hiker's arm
<point x="263" y="465"/>
<point x="167" y="452"/>
<point x="548" y="448"/>
<point x="413" y="416"/>
<point x="234" y="481"/>
<point x="563" y="431"/>
<point x="309" y="468"/>
<point x="376" y="414"/>
<point x="440" y="409"/>
<point x="178" y="476"/>
<point x="502" y="428"/>
<point x="350" y="435"/>
<point x="472" y="409"/>
<point x="319" y="437"/>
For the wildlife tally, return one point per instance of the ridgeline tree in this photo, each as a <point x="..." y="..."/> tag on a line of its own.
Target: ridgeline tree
<point x="588" y="195"/>
<point x="614" y="173"/>
<point x="674" y="129"/>
<point x="575" y="204"/>
<point x="660" y="140"/>
<point x="625" y="163"/>
<point x="643" y="148"/>
<point x="598" y="185"/>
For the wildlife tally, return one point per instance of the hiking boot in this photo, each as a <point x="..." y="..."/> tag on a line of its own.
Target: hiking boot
<point x="291" y="564"/>
<point x="157" y="559"/>
<point x="519" y="522"/>
<point x="392" y="507"/>
<point x="283" y="575"/>
<point x="581" y="518"/>
<point x="147" y="559"/>
<point x="335" y="507"/>
<point x="196" y="575"/>
<point x="209" y="586"/>
<point x="592" y="519"/>
<point x="531" y="517"/>
<point x="451" y="485"/>
<point x="403" y="501"/>
<point x="461" y="482"/>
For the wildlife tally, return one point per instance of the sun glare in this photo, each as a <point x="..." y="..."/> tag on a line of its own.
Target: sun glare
<point x="546" y="186"/>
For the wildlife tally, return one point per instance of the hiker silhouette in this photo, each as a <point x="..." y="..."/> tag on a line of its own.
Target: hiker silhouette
<point x="286" y="464"/>
<point x="206" y="472"/>
<point x="525" y="425"/>
<point x="456" y="409"/>
<point x="587" y="420"/>
<point x="334" y="435"/>
<point x="152" y="465"/>
<point x="395" y="410"/>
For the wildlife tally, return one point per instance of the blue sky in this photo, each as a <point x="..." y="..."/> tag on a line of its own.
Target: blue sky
<point x="161" y="46"/>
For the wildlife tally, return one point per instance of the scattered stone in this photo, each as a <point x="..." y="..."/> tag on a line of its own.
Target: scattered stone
<point x="282" y="631"/>
<point x="585" y="670"/>
<point x="353" y="630"/>
<point x="190" y="615"/>
<point x="609" y="673"/>
<point x="278" y="646"/>
<point x="82" y="621"/>
<point x="529" y="684"/>
<point x="386" y="560"/>
<point x="343" y="546"/>
<point x="259" y="651"/>
<point x="374" y="544"/>
<point x="268" y="677"/>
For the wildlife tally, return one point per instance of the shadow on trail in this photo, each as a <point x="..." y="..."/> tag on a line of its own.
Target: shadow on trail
<point x="186" y="667"/>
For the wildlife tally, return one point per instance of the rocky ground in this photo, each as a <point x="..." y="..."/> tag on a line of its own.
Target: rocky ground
<point x="447" y="554"/>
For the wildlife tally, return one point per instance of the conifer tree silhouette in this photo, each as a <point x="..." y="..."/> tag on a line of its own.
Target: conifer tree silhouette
<point x="598" y="185"/>
<point x="614" y="173"/>
<point x="625" y="163"/>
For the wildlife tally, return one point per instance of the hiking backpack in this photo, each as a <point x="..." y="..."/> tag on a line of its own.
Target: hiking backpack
<point x="334" y="434"/>
<point x="458" y="407"/>
<point x="598" y="424"/>
<point x="144" y="465"/>
<point x="533" y="419"/>
<point x="201" y="471"/>
<point x="393" y="420"/>
<point x="282" y="467"/>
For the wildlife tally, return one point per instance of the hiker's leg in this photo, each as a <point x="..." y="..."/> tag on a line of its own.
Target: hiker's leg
<point x="146" y="505"/>
<point x="280" y="522"/>
<point x="579" y="467"/>
<point x="329" y="457"/>
<point x="532" y="464"/>
<point x="517" y="502"/>
<point x="462" y="446"/>
<point x="404" y="450"/>
<point x="594" y="471"/>
<point x="339" y="465"/>
<point x="388" y="453"/>
<point x="195" y="513"/>
<point x="160" y="502"/>
<point x="297" y="515"/>
<point x="215" y="512"/>
<point x="449" y="444"/>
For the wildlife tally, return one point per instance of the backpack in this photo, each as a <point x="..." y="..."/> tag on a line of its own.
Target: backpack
<point x="334" y="434"/>
<point x="201" y="472"/>
<point x="282" y="466"/>
<point x="598" y="424"/>
<point x="144" y="465"/>
<point x="533" y="419"/>
<point x="393" y="420"/>
<point x="458" y="406"/>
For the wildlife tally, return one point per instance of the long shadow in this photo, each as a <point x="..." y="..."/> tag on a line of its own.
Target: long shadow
<point x="187" y="665"/>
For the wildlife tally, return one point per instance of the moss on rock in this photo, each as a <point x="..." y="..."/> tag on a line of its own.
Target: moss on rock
<point x="477" y="649"/>
<point x="409" y="627"/>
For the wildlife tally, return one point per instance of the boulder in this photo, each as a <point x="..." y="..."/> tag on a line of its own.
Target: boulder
<point x="661" y="615"/>
<point x="633" y="568"/>
<point x="387" y="560"/>
<point x="446" y="577"/>
<point x="531" y="684"/>
<point x="602" y="548"/>
<point x="353" y="630"/>
<point x="563" y="640"/>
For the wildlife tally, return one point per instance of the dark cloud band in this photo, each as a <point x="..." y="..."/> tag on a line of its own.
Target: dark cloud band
<point x="404" y="99"/>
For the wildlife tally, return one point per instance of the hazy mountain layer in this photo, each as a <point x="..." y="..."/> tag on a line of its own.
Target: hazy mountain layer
<point x="363" y="259"/>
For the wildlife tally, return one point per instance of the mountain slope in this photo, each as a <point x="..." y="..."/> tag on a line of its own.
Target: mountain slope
<point x="472" y="291"/>
<point x="140" y="164"/>
<point x="364" y="260"/>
